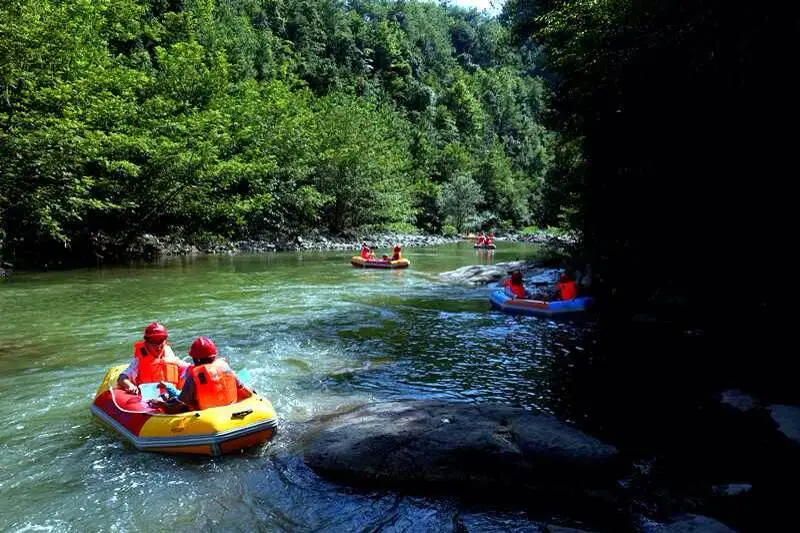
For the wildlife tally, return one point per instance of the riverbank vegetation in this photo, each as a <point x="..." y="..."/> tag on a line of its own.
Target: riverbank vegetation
<point x="248" y="119"/>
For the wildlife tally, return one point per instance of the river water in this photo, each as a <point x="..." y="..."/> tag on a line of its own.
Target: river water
<point x="314" y="334"/>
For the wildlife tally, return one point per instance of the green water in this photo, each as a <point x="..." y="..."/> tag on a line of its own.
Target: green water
<point x="314" y="333"/>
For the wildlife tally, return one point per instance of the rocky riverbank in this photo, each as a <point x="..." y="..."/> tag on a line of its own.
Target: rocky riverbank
<point x="148" y="246"/>
<point x="103" y="248"/>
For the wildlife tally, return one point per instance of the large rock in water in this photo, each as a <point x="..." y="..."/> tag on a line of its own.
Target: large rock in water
<point x="462" y="447"/>
<point x="482" y="274"/>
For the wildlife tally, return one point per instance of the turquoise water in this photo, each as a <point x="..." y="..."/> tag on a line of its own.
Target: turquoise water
<point x="313" y="333"/>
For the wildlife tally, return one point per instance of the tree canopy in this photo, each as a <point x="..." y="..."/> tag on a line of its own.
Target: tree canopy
<point x="240" y="118"/>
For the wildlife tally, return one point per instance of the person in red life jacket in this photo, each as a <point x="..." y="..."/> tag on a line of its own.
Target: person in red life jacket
<point x="489" y="239"/>
<point x="567" y="288"/>
<point x="480" y="239"/>
<point x="210" y="382"/>
<point x="153" y="361"/>
<point x="514" y="285"/>
<point x="366" y="252"/>
<point x="396" y="255"/>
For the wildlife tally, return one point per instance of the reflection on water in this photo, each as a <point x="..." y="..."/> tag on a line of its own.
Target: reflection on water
<point x="314" y="334"/>
<point x="484" y="257"/>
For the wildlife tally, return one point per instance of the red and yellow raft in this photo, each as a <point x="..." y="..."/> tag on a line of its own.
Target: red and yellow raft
<point x="215" y="431"/>
<point x="359" y="261"/>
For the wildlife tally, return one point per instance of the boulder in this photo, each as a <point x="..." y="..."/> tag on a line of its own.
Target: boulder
<point x="429" y="444"/>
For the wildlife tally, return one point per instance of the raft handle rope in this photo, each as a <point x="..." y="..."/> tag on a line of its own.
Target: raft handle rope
<point x="114" y="399"/>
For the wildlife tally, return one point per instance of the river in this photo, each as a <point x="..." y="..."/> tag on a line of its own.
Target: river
<point x="314" y="334"/>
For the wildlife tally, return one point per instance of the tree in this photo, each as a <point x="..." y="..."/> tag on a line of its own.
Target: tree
<point x="460" y="198"/>
<point x="361" y="163"/>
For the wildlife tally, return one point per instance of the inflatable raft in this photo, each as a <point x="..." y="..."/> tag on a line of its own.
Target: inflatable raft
<point x="215" y="431"/>
<point x="359" y="261"/>
<point x="501" y="301"/>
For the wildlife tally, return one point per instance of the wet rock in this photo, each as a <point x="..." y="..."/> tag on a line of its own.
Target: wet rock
<point x="688" y="523"/>
<point x="437" y="445"/>
<point x="738" y="400"/>
<point x="540" y="237"/>
<point x="788" y="419"/>
<point x="474" y="274"/>
<point x="532" y="271"/>
<point x="736" y="504"/>
<point x="735" y="441"/>
<point x="732" y="489"/>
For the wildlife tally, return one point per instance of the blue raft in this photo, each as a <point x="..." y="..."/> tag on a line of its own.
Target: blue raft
<point x="501" y="301"/>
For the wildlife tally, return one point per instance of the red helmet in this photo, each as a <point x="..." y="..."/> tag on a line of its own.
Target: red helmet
<point x="155" y="332"/>
<point x="203" y="348"/>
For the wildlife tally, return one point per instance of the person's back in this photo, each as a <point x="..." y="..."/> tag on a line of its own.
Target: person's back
<point x="215" y="384"/>
<point x="515" y="285"/>
<point x="567" y="289"/>
<point x="396" y="255"/>
<point x="210" y="382"/>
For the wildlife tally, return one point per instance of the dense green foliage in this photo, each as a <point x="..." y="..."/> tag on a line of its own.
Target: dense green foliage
<point x="666" y="115"/>
<point x="256" y="118"/>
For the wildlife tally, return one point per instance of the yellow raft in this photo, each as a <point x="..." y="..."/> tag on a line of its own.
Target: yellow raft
<point x="359" y="261"/>
<point x="215" y="431"/>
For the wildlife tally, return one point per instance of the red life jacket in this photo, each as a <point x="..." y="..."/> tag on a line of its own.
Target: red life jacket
<point x="152" y="369"/>
<point x="215" y="384"/>
<point x="365" y="253"/>
<point x="568" y="290"/>
<point x="397" y="256"/>
<point x="517" y="290"/>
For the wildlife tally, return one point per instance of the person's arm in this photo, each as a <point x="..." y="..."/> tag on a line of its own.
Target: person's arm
<point x="125" y="381"/>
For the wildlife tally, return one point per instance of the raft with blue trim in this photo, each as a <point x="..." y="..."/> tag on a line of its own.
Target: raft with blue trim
<point x="502" y="301"/>
<point x="215" y="431"/>
<point x="358" y="261"/>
